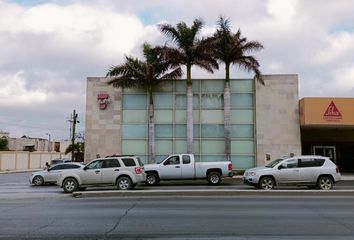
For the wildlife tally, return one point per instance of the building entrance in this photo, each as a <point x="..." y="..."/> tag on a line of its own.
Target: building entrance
<point x="325" y="151"/>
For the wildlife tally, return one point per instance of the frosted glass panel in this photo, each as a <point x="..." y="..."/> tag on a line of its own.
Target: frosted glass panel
<point x="213" y="131"/>
<point x="212" y="86"/>
<point x="196" y="147"/>
<point x="242" y="131"/>
<point x="134" y="116"/>
<point x="195" y="101"/>
<point x="134" y="131"/>
<point x="213" y="147"/>
<point x="181" y="86"/>
<point x="163" y="131"/>
<point x="195" y="116"/>
<point x="180" y="116"/>
<point x="212" y="101"/>
<point x="212" y="116"/>
<point x="163" y="101"/>
<point x="137" y="147"/>
<point x="133" y="90"/>
<point x="196" y="131"/>
<point x="242" y="147"/>
<point x="180" y="147"/>
<point x="143" y="158"/>
<point x="213" y="158"/>
<point x="242" y="162"/>
<point x="181" y="131"/>
<point x="180" y="101"/>
<point x="160" y="158"/>
<point x="241" y="85"/>
<point x="167" y="86"/>
<point x="163" y="147"/>
<point x="163" y="116"/>
<point x="134" y="101"/>
<point x="242" y="116"/>
<point x="241" y="100"/>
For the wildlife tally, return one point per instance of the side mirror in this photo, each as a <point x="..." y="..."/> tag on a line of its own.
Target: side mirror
<point x="280" y="167"/>
<point x="85" y="168"/>
<point x="48" y="169"/>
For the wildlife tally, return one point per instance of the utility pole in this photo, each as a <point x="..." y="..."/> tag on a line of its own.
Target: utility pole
<point x="74" y="121"/>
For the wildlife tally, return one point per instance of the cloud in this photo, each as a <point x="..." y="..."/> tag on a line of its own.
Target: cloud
<point x="50" y="47"/>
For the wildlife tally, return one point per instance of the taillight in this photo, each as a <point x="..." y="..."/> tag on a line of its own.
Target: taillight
<point x="137" y="170"/>
<point x="230" y="166"/>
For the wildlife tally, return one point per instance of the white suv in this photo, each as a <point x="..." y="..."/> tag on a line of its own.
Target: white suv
<point x="123" y="171"/>
<point x="311" y="171"/>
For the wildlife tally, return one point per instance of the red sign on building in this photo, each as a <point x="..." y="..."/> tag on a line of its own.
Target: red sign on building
<point x="332" y="113"/>
<point x="103" y="100"/>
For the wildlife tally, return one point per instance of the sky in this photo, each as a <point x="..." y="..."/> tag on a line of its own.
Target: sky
<point x="49" y="48"/>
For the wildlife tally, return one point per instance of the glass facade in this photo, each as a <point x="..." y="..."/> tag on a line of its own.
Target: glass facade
<point x="170" y="121"/>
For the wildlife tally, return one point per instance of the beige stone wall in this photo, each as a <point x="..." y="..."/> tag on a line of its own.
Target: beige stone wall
<point x="102" y="126"/>
<point x="277" y="117"/>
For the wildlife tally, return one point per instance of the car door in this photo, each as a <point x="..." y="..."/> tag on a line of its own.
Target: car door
<point x="288" y="171"/>
<point x="92" y="173"/>
<point x="52" y="174"/>
<point x="171" y="168"/>
<point x="308" y="170"/>
<point x="109" y="171"/>
<point x="187" y="167"/>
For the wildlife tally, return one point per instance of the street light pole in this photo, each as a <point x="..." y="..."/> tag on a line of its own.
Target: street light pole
<point x="74" y="121"/>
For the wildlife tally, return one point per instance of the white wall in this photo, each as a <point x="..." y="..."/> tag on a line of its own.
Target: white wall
<point x="21" y="160"/>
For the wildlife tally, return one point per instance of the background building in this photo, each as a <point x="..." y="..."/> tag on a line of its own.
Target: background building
<point x="265" y="120"/>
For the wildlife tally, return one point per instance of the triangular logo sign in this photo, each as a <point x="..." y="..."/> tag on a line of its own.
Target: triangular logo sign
<point x="332" y="112"/>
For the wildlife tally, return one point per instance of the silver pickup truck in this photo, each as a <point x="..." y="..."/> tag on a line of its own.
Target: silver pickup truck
<point x="183" y="166"/>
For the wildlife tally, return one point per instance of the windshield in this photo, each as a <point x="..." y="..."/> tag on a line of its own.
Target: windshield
<point x="274" y="163"/>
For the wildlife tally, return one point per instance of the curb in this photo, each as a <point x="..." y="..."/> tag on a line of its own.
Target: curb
<point x="20" y="171"/>
<point x="208" y="193"/>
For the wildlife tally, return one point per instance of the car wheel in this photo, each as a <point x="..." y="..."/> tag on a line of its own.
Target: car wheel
<point x="152" y="179"/>
<point x="214" y="178"/>
<point x="124" y="183"/>
<point x="38" y="180"/>
<point x="266" y="183"/>
<point x="325" y="183"/>
<point x="70" y="185"/>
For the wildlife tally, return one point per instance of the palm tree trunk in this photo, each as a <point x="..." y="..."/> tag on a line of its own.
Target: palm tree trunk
<point x="189" y="111"/>
<point x="151" y="126"/>
<point x="227" y="114"/>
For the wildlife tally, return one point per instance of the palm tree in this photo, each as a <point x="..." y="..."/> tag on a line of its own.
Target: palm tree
<point x="77" y="150"/>
<point x="189" y="51"/>
<point x="147" y="75"/>
<point x="233" y="49"/>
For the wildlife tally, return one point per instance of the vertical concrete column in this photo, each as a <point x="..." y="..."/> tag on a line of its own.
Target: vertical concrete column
<point x="277" y="117"/>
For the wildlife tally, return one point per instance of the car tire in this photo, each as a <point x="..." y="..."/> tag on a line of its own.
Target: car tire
<point x="152" y="179"/>
<point x="266" y="183"/>
<point x="124" y="183"/>
<point x="214" y="178"/>
<point x="38" y="180"/>
<point x="70" y="185"/>
<point x="325" y="183"/>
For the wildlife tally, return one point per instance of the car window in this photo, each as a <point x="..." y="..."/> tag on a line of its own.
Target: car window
<point x="128" y="162"/>
<point x="70" y="166"/>
<point x="110" y="163"/>
<point x="319" y="162"/>
<point x="140" y="162"/>
<point x="57" y="167"/>
<point x="274" y="163"/>
<point x="95" y="165"/>
<point x="174" y="160"/>
<point x="292" y="163"/>
<point x="186" y="159"/>
<point x="307" y="162"/>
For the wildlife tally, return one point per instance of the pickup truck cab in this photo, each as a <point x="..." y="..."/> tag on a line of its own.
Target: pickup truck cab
<point x="183" y="166"/>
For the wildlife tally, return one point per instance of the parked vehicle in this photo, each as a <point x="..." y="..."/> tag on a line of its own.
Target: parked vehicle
<point x="183" y="166"/>
<point x="57" y="161"/>
<point x="51" y="174"/>
<point x="311" y="171"/>
<point x="120" y="170"/>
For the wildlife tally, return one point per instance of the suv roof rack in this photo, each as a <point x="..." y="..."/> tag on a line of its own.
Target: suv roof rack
<point x="120" y="155"/>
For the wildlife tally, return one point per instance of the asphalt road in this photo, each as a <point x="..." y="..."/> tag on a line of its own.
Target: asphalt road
<point x="28" y="212"/>
<point x="179" y="218"/>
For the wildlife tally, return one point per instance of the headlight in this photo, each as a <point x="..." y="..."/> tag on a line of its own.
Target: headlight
<point x="252" y="174"/>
